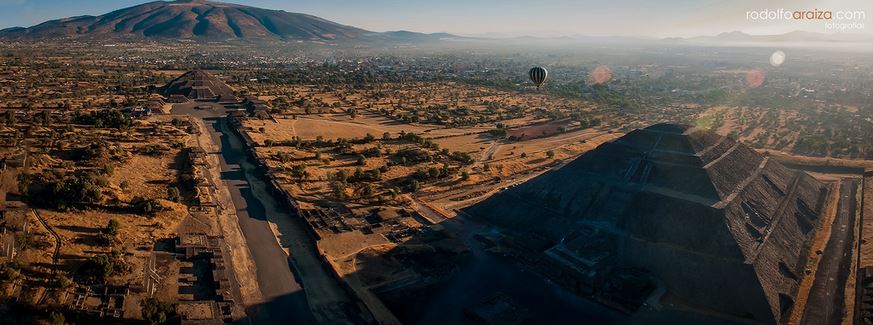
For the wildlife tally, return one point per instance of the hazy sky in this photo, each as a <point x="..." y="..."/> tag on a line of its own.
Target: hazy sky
<point x="659" y="18"/>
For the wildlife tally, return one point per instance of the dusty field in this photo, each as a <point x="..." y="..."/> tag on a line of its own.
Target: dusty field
<point x="145" y="176"/>
<point x="564" y="145"/>
<point x="79" y="230"/>
<point x="540" y="130"/>
<point x="334" y="126"/>
<point x="822" y="131"/>
<point x="84" y="174"/>
<point x="345" y="245"/>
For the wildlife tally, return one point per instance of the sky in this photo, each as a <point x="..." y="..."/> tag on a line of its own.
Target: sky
<point x="652" y="18"/>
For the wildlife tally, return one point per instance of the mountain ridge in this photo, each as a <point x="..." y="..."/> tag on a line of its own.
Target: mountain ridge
<point x="793" y="36"/>
<point x="204" y="20"/>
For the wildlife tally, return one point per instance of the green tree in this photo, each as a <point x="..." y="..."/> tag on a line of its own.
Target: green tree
<point x="155" y="312"/>
<point x="341" y="176"/>
<point x="173" y="194"/>
<point x="299" y="171"/>
<point x="64" y="281"/>
<point x="339" y="189"/>
<point x="433" y="172"/>
<point x="57" y="318"/>
<point x="9" y="271"/>
<point x="112" y="227"/>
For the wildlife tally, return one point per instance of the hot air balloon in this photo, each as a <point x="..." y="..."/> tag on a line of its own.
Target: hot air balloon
<point x="538" y="75"/>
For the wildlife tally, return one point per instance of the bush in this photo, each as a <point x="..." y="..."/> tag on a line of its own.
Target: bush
<point x="156" y="312"/>
<point x="24" y="240"/>
<point x="462" y="157"/>
<point x="146" y="207"/>
<point x="10" y="272"/>
<point x="112" y="227"/>
<point x="66" y="192"/>
<point x="103" y="266"/>
<point x="299" y="171"/>
<point x="433" y="172"/>
<point x="109" y="118"/>
<point x="56" y="318"/>
<point x="65" y="282"/>
<point x="173" y="194"/>
<point x="339" y="189"/>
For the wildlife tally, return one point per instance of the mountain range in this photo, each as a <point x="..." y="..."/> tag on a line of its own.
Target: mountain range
<point x="795" y="36"/>
<point x="204" y="20"/>
<point x="207" y="21"/>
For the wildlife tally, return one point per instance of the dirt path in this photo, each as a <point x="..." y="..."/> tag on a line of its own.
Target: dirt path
<point x="489" y="154"/>
<point x="286" y="259"/>
<point x="826" y="294"/>
<point x="51" y="231"/>
<point x="235" y="244"/>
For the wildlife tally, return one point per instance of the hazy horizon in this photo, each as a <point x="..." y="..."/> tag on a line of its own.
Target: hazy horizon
<point x="509" y="18"/>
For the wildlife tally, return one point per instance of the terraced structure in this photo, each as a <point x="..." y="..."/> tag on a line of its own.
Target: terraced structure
<point x="669" y="215"/>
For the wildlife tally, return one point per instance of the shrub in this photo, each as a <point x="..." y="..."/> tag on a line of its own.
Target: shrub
<point x="10" y="272"/>
<point x="462" y="157"/>
<point x="156" y="312"/>
<point x="173" y="194"/>
<point x="112" y="227"/>
<point x="56" y="318"/>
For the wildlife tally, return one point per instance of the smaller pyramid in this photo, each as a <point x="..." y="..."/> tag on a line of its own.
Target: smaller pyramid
<point x="199" y="85"/>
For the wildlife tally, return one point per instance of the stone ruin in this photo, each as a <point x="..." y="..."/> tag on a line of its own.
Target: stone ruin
<point x="669" y="214"/>
<point x="198" y="85"/>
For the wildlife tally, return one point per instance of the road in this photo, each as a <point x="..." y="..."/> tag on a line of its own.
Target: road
<point x="57" y="238"/>
<point x="274" y="276"/>
<point x="826" y="297"/>
<point x="285" y="259"/>
<point x="489" y="154"/>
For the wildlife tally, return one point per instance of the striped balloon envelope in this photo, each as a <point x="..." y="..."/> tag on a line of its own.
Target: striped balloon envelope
<point x="538" y="75"/>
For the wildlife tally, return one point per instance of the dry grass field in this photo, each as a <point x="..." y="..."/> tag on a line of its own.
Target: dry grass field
<point x="102" y="185"/>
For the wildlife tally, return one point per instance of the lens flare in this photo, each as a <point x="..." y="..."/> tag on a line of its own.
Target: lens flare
<point x="600" y="74"/>
<point x="777" y="58"/>
<point x="755" y="78"/>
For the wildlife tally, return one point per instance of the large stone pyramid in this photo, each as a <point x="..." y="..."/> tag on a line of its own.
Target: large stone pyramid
<point x="723" y="228"/>
<point x="199" y="85"/>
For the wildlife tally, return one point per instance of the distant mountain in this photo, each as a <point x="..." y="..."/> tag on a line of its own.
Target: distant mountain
<point x="403" y="35"/>
<point x="204" y="20"/>
<point x="795" y="36"/>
